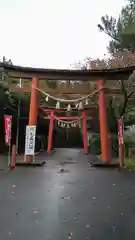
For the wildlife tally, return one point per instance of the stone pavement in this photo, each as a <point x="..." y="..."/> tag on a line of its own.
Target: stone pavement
<point x="67" y="199"/>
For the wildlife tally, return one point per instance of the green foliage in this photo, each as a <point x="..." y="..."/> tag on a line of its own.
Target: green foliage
<point x="94" y="144"/>
<point x="129" y="139"/>
<point x="95" y="148"/>
<point x="114" y="146"/>
<point x="118" y="105"/>
<point x="129" y="164"/>
<point x="11" y="99"/>
<point x="129" y="134"/>
<point x="121" y="31"/>
<point x="51" y="84"/>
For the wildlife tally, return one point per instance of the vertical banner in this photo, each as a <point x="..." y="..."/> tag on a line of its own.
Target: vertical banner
<point x="121" y="141"/>
<point x="8" y="125"/>
<point x="120" y="131"/>
<point x="30" y="140"/>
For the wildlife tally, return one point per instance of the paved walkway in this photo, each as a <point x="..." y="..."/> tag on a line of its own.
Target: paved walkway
<point x="67" y="199"/>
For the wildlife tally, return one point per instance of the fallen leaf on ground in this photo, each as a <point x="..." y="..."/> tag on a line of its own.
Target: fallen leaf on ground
<point x="62" y="170"/>
<point x="67" y="198"/>
<point x="130" y="198"/>
<point x="35" y="212"/>
<point x="37" y="221"/>
<point x="120" y="194"/>
<point x="114" y="228"/>
<point x="70" y="235"/>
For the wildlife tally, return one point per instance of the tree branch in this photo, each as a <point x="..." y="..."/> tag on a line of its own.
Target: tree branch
<point x="130" y="94"/>
<point x="102" y="29"/>
<point x="112" y="114"/>
<point x="112" y="109"/>
<point x="126" y="98"/>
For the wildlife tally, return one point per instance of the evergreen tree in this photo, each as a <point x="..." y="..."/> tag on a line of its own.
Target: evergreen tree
<point x="121" y="31"/>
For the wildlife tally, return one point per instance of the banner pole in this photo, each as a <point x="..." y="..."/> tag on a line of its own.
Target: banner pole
<point x="18" y="126"/>
<point x="9" y="155"/>
<point x="121" y="141"/>
<point x="18" y="118"/>
<point x="8" y="133"/>
<point x="9" y="149"/>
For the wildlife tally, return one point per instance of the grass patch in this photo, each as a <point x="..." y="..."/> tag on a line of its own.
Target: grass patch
<point x="129" y="163"/>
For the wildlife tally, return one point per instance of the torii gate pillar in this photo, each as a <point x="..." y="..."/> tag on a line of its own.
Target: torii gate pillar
<point x="105" y="146"/>
<point x="33" y="112"/>
<point x="84" y="128"/>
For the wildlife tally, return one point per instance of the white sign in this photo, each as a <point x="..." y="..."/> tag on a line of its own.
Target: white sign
<point x="30" y="140"/>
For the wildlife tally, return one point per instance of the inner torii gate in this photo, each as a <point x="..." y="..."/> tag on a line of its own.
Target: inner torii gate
<point x="52" y="117"/>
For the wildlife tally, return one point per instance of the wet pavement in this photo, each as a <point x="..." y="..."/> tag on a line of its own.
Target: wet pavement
<point x="67" y="199"/>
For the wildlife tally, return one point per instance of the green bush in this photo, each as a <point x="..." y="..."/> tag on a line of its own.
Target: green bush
<point x="129" y="164"/>
<point x="94" y="145"/>
<point x="114" y="145"/>
<point x="129" y="139"/>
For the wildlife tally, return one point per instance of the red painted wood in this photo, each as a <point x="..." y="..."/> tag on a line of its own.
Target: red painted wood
<point x="84" y="129"/>
<point x="50" y="135"/>
<point x="104" y="135"/>
<point x="121" y="141"/>
<point x="13" y="157"/>
<point x="89" y="109"/>
<point x="67" y="118"/>
<point x="33" y="112"/>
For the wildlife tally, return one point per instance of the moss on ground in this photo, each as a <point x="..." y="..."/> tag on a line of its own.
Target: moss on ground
<point x="129" y="163"/>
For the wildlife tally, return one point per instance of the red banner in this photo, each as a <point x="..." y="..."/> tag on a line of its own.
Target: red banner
<point x="8" y="125"/>
<point x="120" y="131"/>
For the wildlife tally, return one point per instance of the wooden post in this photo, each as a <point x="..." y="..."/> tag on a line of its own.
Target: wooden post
<point x="105" y="146"/>
<point x="13" y="157"/>
<point x="121" y="141"/>
<point x="33" y="112"/>
<point x="50" y="135"/>
<point x="84" y="129"/>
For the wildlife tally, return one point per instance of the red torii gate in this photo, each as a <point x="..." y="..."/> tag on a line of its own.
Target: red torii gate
<point x="52" y="117"/>
<point x="104" y="133"/>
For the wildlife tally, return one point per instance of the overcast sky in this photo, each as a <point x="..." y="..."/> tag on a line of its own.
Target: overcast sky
<point x="53" y="33"/>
